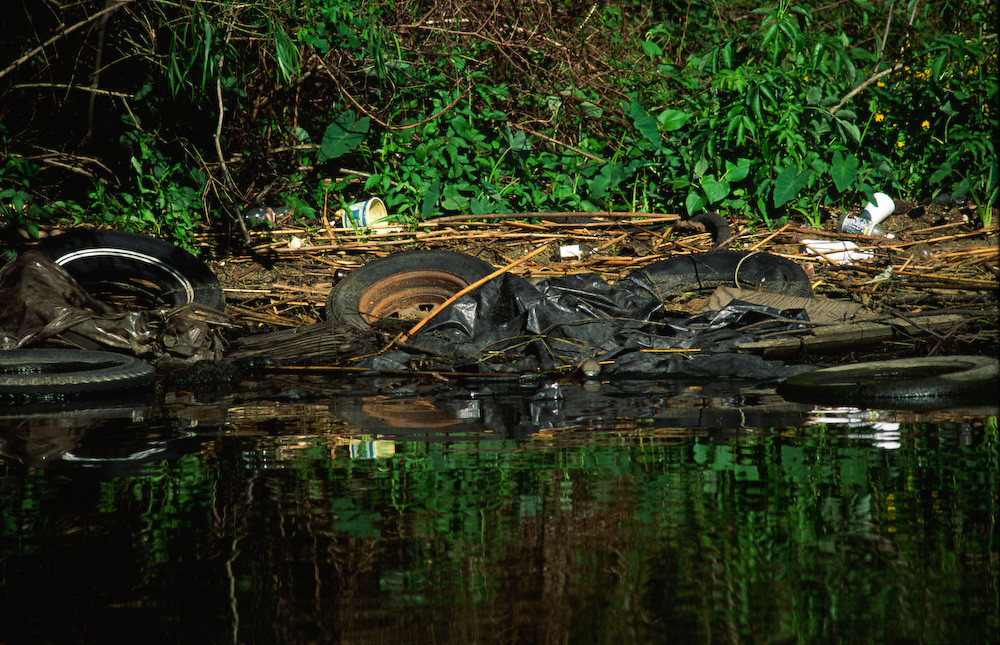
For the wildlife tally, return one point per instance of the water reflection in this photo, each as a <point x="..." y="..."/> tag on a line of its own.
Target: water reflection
<point x="313" y="510"/>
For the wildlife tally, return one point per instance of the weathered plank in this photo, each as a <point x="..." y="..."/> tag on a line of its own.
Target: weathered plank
<point x="851" y="335"/>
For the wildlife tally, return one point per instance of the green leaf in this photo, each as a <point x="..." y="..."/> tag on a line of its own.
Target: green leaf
<point x="788" y="184"/>
<point x="695" y="202"/>
<point x="517" y="141"/>
<point x="341" y="136"/>
<point x="700" y="167"/>
<point x="429" y="201"/>
<point x="592" y="110"/>
<point x="848" y="131"/>
<point x="608" y="177"/>
<point x="671" y="120"/>
<point x="715" y="190"/>
<point x="937" y="68"/>
<point x="453" y="200"/>
<point x="645" y="124"/>
<point x="738" y="171"/>
<point x="962" y="189"/>
<point x="843" y="170"/>
<point x="727" y="54"/>
<point x="286" y="52"/>
<point x="651" y="49"/>
<point x="944" y="170"/>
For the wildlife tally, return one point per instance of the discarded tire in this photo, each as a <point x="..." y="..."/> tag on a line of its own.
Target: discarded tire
<point x="703" y="272"/>
<point x="39" y="373"/>
<point x="922" y="381"/>
<point x="133" y="263"/>
<point x="404" y="286"/>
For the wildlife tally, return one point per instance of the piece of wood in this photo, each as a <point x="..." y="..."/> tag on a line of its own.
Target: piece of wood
<point x="850" y="336"/>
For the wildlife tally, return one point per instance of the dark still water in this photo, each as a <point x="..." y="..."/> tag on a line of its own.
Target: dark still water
<point x="323" y="511"/>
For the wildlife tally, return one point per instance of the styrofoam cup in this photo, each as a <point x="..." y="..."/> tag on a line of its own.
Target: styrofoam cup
<point x="882" y="208"/>
<point x="370" y="213"/>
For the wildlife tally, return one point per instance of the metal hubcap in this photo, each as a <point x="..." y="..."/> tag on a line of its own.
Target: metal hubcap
<point x="408" y="295"/>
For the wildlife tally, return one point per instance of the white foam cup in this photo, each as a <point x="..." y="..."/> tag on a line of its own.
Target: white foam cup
<point x="882" y="208"/>
<point x="370" y="213"/>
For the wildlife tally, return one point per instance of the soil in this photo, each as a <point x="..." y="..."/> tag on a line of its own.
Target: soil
<point x="941" y="260"/>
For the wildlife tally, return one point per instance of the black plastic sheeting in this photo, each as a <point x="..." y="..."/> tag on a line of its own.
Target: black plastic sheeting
<point x="39" y="301"/>
<point x="511" y="325"/>
<point x="508" y="325"/>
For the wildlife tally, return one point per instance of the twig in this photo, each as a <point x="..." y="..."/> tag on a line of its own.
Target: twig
<point x="885" y="35"/>
<point x="69" y="86"/>
<point x="405" y="126"/>
<point x="96" y="76"/>
<point x="556" y="141"/>
<point x="475" y="285"/>
<point x="218" y="141"/>
<point x="857" y="90"/>
<point x="62" y="34"/>
<point x="769" y="238"/>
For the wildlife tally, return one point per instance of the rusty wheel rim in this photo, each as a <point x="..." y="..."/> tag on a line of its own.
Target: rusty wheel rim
<point x="408" y="295"/>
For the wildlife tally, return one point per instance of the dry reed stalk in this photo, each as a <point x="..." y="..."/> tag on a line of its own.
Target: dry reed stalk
<point x="939" y="227"/>
<point x="332" y="263"/>
<point x="306" y="290"/>
<point x="974" y="251"/>
<point x="768" y="238"/>
<point x="265" y="317"/>
<point x="611" y="243"/>
<point x="568" y="214"/>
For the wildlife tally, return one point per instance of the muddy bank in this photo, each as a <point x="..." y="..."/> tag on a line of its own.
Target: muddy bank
<point x="929" y="290"/>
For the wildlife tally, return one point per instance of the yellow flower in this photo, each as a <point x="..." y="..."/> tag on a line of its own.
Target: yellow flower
<point x="880" y="84"/>
<point x="805" y="78"/>
<point x="899" y="144"/>
<point x="925" y="125"/>
<point x="879" y="118"/>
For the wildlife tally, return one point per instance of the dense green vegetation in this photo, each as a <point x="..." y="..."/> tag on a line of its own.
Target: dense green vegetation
<point x="167" y="116"/>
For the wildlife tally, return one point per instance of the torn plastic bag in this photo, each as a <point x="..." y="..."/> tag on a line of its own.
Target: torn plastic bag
<point x="39" y="301"/>
<point x="565" y="319"/>
<point x="510" y="325"/>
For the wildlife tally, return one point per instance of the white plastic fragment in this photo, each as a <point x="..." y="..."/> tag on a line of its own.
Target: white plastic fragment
<point x="571" y="251"/>
<point x="837" y="251"/>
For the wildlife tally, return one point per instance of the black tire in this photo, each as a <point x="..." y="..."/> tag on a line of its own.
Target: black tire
<point x="162" y="272"/>
<point x="704" y="272"/>
<point x="402" y="286"/>
<point x="31" y="374"/>
<point x="924" y="382"/>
